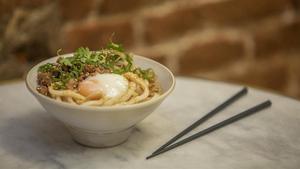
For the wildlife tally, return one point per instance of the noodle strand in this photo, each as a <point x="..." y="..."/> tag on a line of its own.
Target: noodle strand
<point x="138" y="90"/>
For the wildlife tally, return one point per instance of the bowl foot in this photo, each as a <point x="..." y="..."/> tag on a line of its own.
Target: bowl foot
<point x="99" y="139"/>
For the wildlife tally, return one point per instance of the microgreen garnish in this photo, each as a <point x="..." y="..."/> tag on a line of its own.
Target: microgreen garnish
<point x="111" y="59"/>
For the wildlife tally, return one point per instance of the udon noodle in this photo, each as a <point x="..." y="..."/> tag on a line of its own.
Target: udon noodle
<point x="72" y="79"/>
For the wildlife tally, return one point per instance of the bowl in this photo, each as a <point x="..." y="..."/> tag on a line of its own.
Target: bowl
<point x="108" y="125"/>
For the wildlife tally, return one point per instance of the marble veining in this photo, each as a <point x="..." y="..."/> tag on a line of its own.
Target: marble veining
<point x="30" y="138"/>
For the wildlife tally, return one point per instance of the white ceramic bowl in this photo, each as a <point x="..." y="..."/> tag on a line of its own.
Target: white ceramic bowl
<point x="103" y="126"/>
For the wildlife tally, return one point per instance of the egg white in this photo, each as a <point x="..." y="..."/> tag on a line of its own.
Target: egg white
<point x="110" y="85"/>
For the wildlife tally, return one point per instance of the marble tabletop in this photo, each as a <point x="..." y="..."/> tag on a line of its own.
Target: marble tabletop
<point x="30" y="138"/>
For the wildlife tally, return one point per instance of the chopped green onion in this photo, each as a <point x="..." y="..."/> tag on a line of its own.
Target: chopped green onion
<point x="112" y="58"/>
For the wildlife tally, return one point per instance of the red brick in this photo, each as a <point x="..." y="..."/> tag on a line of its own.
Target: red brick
<point x="95" y="34"/>
<point x="12" y="69"/>
<point x="173" y="24"/>
<point x="223" y="13"/>
<point x="295" y="69"/>
<point x="296" y="74"/>
<point x="8" y="7"/>
<point x="160" y="59"/>
<point x="12" y="4"/>
<point x="117" y="6"/>
<point x="286" y="38"/>
<point x="75" y="9"/>
<point x="33" y="3"/>
<point x="208" y="56"/>
<point x="269" y="74"/>
<point x="296" y="4"/>
<point x="157" y="56"/>
<point x="241" y="11"/>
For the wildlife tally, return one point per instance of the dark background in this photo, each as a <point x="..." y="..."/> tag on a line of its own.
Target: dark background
<point x="253" y="42"/>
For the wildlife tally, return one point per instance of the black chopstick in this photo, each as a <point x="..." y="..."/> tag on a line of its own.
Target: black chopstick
<point x="226" y="122"/>
<point x="204" y="118"/>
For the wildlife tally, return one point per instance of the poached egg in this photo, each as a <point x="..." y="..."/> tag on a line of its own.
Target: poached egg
<point x="108" y="84"/>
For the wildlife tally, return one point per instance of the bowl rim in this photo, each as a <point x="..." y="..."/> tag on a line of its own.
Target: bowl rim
<point x="117" y="107"/>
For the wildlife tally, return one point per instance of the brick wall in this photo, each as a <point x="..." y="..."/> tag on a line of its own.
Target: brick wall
<point x="254" y="42"/>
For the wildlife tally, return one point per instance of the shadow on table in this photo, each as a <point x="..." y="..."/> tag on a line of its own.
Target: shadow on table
<point x="39" y="137"/>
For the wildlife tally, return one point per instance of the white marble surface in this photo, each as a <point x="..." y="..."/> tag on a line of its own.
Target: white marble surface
<point x="31" y="138"/>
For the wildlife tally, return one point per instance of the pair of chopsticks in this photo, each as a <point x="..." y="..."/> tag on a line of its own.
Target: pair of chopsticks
<point x="169" y="146"/>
